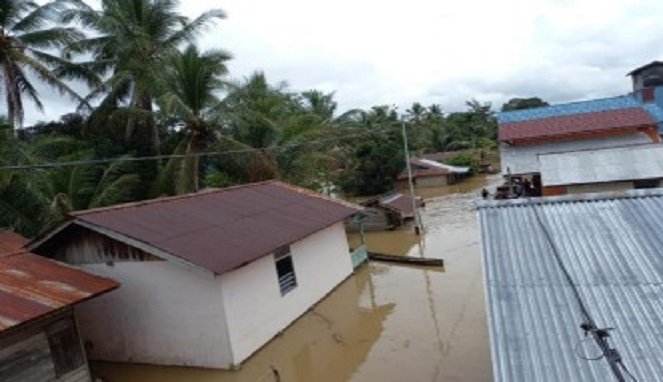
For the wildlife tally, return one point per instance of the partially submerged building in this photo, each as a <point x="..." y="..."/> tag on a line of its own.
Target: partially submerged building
<point x="429" y="173"/>
<point x="39" y="338"/>
<point x="388" y="211"/>
<point x="538" y="253"/>
<point x="207" y="278"/>
<point x="534" y="143"/>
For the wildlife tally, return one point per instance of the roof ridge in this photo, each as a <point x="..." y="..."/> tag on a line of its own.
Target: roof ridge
<point x="319" y="195"/>
<point x="164" y="199"/>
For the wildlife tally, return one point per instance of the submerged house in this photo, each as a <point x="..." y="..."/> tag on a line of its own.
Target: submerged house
<point x="207" y="278"/>
<point x="39" y="339"/>
<point x="545" y="257"/>
<point x="385" y="212"/>
<point x="539" y="144"/>
<point x="429" y="173"/>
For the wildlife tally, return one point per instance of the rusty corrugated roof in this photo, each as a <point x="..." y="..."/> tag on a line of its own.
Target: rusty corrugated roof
<point x="564" y="125"/>
<point x="11" y="242"/>
<point x="32" y="286"/>
<point x="220" y="230"/>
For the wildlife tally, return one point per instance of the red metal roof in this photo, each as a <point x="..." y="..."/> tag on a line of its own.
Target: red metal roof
<point x="575" y="124"/>
<point x="220" y="230"/>
<point x="32" y="286"/>
<point x="11" y="242"/>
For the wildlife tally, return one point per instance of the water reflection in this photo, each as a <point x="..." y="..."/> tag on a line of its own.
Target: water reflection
<point x="387" y="322"/>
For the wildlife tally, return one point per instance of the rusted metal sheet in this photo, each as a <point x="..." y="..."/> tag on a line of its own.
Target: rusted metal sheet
<point x="11" y="242"/>
<point x="218" y="230"/>
<point x="32" y="286"/>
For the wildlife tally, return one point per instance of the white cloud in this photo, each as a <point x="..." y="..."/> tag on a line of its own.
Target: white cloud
<point x="386" y="52"/>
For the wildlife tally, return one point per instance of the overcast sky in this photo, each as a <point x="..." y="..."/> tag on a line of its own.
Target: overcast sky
<point x="372" y="52"/>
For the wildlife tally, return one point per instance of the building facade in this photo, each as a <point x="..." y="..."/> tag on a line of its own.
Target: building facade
<point x="231" y="269"/>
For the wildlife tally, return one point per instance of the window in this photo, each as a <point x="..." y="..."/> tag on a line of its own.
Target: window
<point x="285" y="270"/>
<point x="65" y="346"/>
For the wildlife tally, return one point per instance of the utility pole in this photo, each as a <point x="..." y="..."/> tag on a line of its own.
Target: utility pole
<point x="417" y="220"/>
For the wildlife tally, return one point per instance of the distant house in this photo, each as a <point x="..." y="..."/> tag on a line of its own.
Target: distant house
<point x="387" y="211"/>
<point x="541" y="257"/>
<point x="207" y="278"/>
<point x="533" y="140"/>
<point x="429" y="173"/>
<point x="39" y="339"/>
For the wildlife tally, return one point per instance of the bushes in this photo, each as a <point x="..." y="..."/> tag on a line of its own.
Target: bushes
<point x="464" y="159"/>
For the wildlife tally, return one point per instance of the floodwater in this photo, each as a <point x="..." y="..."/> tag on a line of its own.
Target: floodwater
<point x="387" y="322"/>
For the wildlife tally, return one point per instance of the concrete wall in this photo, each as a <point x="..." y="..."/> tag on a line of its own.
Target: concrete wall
<point x="255" y="309"/>
<point x="161" y="314"/>
<point x="599" y="187"/>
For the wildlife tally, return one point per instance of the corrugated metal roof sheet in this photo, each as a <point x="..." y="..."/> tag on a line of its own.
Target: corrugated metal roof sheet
<point x="656" y="112"/>
<point x="524" y="159"/>
<point x="602" y="166"/>
<point x="570" y="108"/>
<point x="575" y="123"/>
<point x="395" y="201"/>
<point x="422" y="167"/>
<point x="32" y="286"/>
<point x="220" y="230"/>
<point x="611" y="245"/>
<point x="11" y="242"/>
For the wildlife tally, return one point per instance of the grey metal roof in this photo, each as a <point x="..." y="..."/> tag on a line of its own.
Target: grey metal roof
<point x="611" y="245"/>
<point x="601" y="166"/>
<point x="524" y="159"/>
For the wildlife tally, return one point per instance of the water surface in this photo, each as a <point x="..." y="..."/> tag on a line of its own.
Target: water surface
<point x="386" y="322"/>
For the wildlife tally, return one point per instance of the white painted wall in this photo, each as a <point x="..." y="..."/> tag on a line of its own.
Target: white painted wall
<point x="599" y="187"/>
<point x="161" y="314"/>
<point x="255" y="309"/>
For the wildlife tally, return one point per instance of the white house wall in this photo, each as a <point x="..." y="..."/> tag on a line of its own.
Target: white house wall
<point x="161" y="314"/>
<point x="255" y="309"/>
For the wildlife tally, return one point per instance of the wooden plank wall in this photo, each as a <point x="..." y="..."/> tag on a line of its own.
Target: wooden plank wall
<point x="26" y="356"/>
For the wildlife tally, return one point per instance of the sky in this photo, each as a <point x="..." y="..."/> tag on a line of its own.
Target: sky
<point x="371" y="52"/>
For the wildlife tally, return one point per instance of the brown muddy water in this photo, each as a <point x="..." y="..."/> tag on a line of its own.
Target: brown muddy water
<point x="386" y="322"/>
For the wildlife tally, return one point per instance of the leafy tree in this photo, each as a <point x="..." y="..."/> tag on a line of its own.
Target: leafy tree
<point x="27" y="36"/>
<point x="373" y="167"/>
<point x="190" y="80"/>
<point x="523" y="103"/>
<point x="130" y="44"/>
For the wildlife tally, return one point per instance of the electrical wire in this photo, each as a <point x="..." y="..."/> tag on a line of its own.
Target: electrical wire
<point x="600" y="335"/>
<point x="91" y="162"/>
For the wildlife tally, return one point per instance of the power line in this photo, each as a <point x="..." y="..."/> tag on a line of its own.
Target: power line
<point x="600" y="335"/>
<point x="91" y="162"/>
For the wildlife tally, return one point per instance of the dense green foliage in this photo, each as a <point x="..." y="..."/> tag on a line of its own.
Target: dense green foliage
<point x="153" y="92"/>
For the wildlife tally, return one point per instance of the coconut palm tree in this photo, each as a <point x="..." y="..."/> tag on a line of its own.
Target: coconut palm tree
<point x="131" y="41"/>
<point x="27" y="35"/>
<point x="189" y="85"/>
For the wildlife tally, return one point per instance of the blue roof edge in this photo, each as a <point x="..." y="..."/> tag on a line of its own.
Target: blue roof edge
<point x="577" y="107"/>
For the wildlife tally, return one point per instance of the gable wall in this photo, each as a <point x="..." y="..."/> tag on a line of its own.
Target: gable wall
<point x="255" y="309"/>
